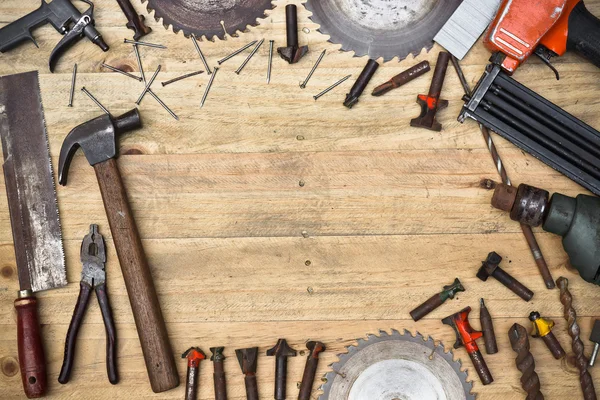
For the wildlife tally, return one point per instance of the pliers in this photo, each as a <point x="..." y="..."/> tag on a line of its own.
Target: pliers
<point x="93" y="258"/>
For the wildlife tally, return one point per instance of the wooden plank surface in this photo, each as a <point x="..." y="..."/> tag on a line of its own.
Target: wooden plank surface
<point x="266" y="214"/>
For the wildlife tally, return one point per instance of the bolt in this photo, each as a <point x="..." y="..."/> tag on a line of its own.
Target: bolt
<point x="490" y="267"/>
<point x="281" y="352"/>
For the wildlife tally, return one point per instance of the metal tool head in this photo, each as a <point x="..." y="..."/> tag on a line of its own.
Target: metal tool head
<point x="292" y="54"/>
<point x="93" y="257"/>
<point x="281" y="349"/>
<point x="518" y="337"/>
<point x="397" y="366"/>
<point x="452" y="290"/>
<point x="194" y="356"/>
<point x="541" y="326"/>
<point x="315" y="348"/>
<point x="489" y="266"/>
<point x="98" y="140"/>
<point x="217" y="354"/>
<point x="429" y="108"/>
<point x="248" y="359"/>
<point x="465" y="334"/>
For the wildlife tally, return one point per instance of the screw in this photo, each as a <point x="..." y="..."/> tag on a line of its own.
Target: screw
<point x="239" y="70"/>
<point x="330" y="88"/>
<point x="182" y="77"/>
<point x="84" y="90"/>
<point x="210" y="82"/>
<point x="197" y="46"/>
<point x="235" y="53"/>
<point x="270" y="65"/>
<point x="73" y="79"/>
<point x="120" y="71"/>
<point x="138" y="43"/>
<point x="150" y="82"/>
<point x="312" y="71"/>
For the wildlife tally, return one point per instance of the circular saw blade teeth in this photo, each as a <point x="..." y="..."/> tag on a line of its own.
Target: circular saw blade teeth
<point x="362" y="343"/>
<point x="217" y="21"/>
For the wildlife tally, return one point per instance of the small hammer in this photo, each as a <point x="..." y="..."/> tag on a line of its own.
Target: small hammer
<point x="98" y="140"/>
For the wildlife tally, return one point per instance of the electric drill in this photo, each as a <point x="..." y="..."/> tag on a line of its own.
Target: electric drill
<point x="545" y="28"/>
<point x="577" y="220"/>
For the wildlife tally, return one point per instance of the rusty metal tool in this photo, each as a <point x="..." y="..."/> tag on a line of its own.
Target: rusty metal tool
<point x="581" y="362"/>
<point x="432" y="103"/>
<point x="487" y="327"/>
<point x="98" y="140"/>
<point x="313" y="69"/>
<point x="248" y="359"/>
<point x="530" y="381"/>
<point x="281" y="352"/>
<point x="542" y="328"/>
<point x="95" y="100"/>
<point x="466" y="336"/>
<point x="34" y="217"/>
<point x="247" y="60"/>
<point x="93" y="276"/>
<point x="361" y="83"/>
<point x="310" y="370"/>
<point x="330" y="88"/>
<point x="292" y="53"/>
<point x="194" y="356"/>
<point x="73" y="80"/>
<point x="437" y="300"/>
<point x="595" y="338"/>
<point x="403" y="78"/>
<point x="217" y="358"/>
<point x="120" y="71"/>
<point x="270" y="63"/>
<point x="180" y="78"/>
<point x="148" y="85"/>
<point x="491" y="267"/>
<point x="140" y="43"/>
<point x="135" y="22"/>
<point x="208" y="86"/>
<point x="201" y="54"/>
<point x="238" y="51"/>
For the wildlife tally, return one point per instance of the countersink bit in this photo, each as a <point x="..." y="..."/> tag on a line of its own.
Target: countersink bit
<point x="431" y="103"/>
<point x="281" y="352"/>
<point x="207" y="90"/>
<point x="361" y="83"/>
<point x="310" y="370"/>
<point x="330" y="88"/>
<point x="219" y="375"/>
<point x="530" y="381"/>
<point x="248" y="359"/>
<point x="182" y="77"/>
<point x="437" y="300"/>
<point x="73" y="80"/>
<point x="120" y="71"/>
<point x="312" y="71"/>
<point x="270" y="65"/>
<point x="542" y="328"/>
<point x="490" y="267"/>
<point x="194" y="356"/>
<point x="138" y="43"/>
<point x="587" y="385"/>
<point x="293" y="52"/>
<point x="403" y="78"/>
<point x="84" y="90"/>
<point x="487" y="327"/>
<point x="148" y="85"/>
<point x="239" y="70"/>
<point x="235" y="53"/>
<point x="201" y="54"/>
<point x="595" y="338"/>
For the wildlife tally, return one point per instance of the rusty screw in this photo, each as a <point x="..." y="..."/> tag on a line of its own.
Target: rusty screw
<point x="487" y="327"/>
<point x="542" y="328"/>
<point x="248" y="359"/>
<point x="310" y="369"/>
<point x="361" y="83"/>
<point x="219" y="375"/>
<point x="437" y="300"/>
<point x="281" y="352"/>
<point x="490" y="267"/>
<point x="403" y="78"/>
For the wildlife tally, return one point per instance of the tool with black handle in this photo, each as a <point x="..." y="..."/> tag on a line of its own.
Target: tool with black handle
<point x="135" y="21"/>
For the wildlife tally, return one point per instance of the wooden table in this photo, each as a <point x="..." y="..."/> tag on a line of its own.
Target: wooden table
<point x="268" y="215"/>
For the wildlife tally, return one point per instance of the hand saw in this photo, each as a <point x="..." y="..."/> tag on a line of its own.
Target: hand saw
<point x="33" y="215"/>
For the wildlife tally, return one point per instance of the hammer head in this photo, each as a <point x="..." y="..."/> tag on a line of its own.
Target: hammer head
<point x="489" y="266"/>
<point x="465" y="334"/>
<point x="98" y="140"/>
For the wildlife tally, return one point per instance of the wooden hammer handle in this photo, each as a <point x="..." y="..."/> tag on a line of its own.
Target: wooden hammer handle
<point x="160" y="362"/>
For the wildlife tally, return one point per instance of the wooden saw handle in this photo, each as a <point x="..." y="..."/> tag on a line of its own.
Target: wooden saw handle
<point x="32" y="361"/>
<point x="151" y="328"/>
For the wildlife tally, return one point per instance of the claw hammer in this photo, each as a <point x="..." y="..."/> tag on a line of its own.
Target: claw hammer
<point x="98" y="140"/>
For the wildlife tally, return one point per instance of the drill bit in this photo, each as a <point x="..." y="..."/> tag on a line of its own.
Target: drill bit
<point x="403" y="78"/>
<point x="595" y="338"/>
<point x="587" y="386"/>
<point x="527" y="231"/>
<point x="73" y="79"/>
<point x="542" y="328"/>
<point x="530" y="381"/>
<point x="235" y="53"/>
<point x="219" y="375"/>
<point x="312" y="71"/>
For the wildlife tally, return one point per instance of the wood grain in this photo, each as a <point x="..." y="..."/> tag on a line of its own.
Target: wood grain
<point x="266" y="214"/>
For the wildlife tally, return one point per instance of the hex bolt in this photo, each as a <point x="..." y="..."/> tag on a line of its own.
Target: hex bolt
<point x="361" y="83"/>
<point x="219" y="373"/>
<point x="487" y="327"/>
<point x="437" y="300"/>
<point x="542" y="328"/>
<point x="490" y="267"/>
<point x="281" y="352"/>
<point x="310" y="370"/>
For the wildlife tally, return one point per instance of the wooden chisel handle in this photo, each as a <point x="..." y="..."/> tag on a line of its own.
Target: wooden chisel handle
<point x="151" y="328"/>
<point x="32" y="361"/>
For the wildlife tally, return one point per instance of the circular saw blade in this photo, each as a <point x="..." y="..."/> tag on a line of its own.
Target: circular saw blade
<point x="204" y="17"/>
<point x="396" y="366"/>
<point x="382" y="28"/>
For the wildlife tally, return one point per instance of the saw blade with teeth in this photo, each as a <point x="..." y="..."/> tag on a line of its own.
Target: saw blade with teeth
<point x="396" y="366"/>
<point x="209" y="18"/>
<point x="382" y="28"/>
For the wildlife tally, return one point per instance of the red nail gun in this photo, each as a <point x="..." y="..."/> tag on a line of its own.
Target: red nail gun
<point x="546" y="28"/>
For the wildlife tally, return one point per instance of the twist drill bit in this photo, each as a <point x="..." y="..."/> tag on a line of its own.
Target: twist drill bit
<point x="542" y="328"/>
<point x="403" y="78"/>
<point x="487" y="327"/>
<point x="437" y="300"/>
<point x="194" y="356"/>
<point x="587" y="386"/>
<point x="219" y="375"/>
<point x="281" y="352"/>
<point x="534" y="247"/>
<point x="595" y="338"/>
<point x="530" y="381"/>
<point x="490" y="267"/>
<point x="248" y="361"/>
<point x="310" y="369"/>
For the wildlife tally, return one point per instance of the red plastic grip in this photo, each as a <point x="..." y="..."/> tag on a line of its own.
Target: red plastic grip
<point x="31" y="351"/>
